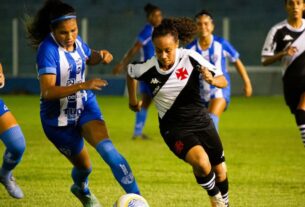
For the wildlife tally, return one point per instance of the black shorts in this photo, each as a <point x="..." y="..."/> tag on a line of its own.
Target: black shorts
<point x="180" y="141"/>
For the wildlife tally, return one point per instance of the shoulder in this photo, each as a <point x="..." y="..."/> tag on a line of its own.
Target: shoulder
<point x="48" y="45"/>
<point x="137" y="69"/>
<point x="277" y="27"/>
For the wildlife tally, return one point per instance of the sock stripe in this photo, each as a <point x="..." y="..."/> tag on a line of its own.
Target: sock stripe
<point x="302" y="126"/>
<point x="211" y="182"/>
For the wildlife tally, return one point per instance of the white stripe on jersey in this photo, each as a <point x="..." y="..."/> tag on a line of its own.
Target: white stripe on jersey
<point x="64" y="77"/>
<point x="299" y="43"/>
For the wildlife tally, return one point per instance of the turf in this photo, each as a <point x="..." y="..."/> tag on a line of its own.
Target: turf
<point x="265" y="158"/>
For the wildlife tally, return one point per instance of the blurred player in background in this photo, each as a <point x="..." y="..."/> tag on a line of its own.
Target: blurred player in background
<point x="143" y="43"/>
<point x="173" y="77"/>
<point x="69" y="110"/>
<point x="13" y="139"/>
<point x="215" y="50"/>
<point x="286" y="42"/>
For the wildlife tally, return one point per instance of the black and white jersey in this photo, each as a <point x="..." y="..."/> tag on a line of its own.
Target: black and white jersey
<point x="280" y="37"/>
<point x="176" y="91"/>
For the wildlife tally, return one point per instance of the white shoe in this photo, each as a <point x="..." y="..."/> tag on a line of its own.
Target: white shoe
<point x="87" y="200"/>
<point x="11" y="186"/>
<point x="217" y="201"/>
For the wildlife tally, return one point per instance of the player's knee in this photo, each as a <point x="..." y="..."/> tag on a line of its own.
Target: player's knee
<point x="14" y="141"/>
<point x="202" y="167"/>
<point x="220" y="172"/>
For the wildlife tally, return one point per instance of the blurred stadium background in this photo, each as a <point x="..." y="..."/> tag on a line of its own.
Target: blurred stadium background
<point x="113" y="25"/>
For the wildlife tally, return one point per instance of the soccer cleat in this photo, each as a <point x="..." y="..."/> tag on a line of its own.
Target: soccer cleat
<point x="11" y="186"/>
<point x="88" y="200"/>
<point x="217" y="201"/>
<point x="141" y="136"/>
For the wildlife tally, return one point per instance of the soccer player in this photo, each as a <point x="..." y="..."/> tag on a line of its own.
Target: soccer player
<point x="185" y="125"/>
<point x="69" y="110"/>
<point x="13" y="139"/>
<point x="216" y="49"/>
<point x="285" y="42"/>
<point x="143" y="43"/>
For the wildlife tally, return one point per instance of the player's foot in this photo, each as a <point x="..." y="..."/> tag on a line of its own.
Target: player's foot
<point x="141" y="136"/>
<point x="88" y="200"/>
<point x="11" y="186"/>
<point x="217" y="201"/>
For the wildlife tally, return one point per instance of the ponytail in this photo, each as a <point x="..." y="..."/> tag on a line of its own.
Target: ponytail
<point x="183" y="29"/>
<point x="49" y="16"/>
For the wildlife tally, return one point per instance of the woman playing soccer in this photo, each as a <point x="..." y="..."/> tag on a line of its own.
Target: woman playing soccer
<point x="154" y="18"/>
<point x="13" y="139"/>
<point x="173" y="77"/>
<point x="69" y="111"/>
<point x="215" y="49"/>
<point x="285" y="42"/>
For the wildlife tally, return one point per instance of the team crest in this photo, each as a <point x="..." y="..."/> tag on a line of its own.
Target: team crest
<point x="179" y="146"/>
<point x="182" y="74"/>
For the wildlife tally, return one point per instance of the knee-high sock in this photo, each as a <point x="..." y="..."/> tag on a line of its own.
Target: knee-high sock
<point x="300" y="119"/>
<point x="119" y="166"/>
<point x="208" y="183"/>
<point x="224" y="189"/>
<point x="80" y="178"/>
<point x="140" y="122"/>
<point x="14" y="142"/>
<point x="215" y="119"/>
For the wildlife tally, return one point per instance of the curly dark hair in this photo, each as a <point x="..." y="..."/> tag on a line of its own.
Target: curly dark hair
<point x="183" y="29"/>
<point x="150" y="8"/>
<point x="39" y="26"/>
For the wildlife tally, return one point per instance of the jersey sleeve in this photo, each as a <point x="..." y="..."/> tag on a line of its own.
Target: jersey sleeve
<point x="229" y="51"/>
<point x="137" y="70"/>
<point x="270" y="44"/>
<point x="85" y="47"/>
<point x="216" y="71"/>
<point x="46" y="60"/>
<point x="145" y="35"/>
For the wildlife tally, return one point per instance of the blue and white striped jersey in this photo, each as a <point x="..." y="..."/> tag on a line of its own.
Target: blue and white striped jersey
<point x="147" y="50"/>
<point x="69" y="68"/>
<point x="218" y="51"/>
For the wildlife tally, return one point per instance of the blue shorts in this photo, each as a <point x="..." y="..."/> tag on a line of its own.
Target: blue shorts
<point x="219" y="93"/>
<point x="68" y="139"/>
<point x="144" y="88"/>
<point x="3" y="108"/>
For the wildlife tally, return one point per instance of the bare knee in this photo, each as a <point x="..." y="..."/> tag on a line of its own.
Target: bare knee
<point x="199" y="160"/>
<point x="220" y="171"/>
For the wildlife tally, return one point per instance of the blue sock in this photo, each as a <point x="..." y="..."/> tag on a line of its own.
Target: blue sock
<point x="140" y="121"/>
<point x="215" y="120"/>
<point x="80" y="178"/>
<point x="118" y="165"/>
<point x="14" y="141"/>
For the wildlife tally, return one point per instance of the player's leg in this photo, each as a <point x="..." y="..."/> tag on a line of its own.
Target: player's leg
<point x="222" y="181"/>
<point x="216" y="108"/>
<point x="205" y="176"/>
<point x="300" y="116"/>
<point x="80" y="173"/>
<point x="13" y="139"/>
<point x="70" y="143"/>
<point x="95" y="132"/>
<point x="141" y="116"/>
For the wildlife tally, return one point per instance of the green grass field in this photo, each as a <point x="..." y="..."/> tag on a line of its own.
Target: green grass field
<point x="264" y="152"/>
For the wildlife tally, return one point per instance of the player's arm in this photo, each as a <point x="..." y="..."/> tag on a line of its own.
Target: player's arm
<point x="244" y="75"/>
<point x="49" y="90"/>
<point x="2" y="77"/>
<point x="268" y="60"/>
<point x="97" y="57"/>
<point x="127" y="58"/>
<point x="134" y="104"/>
<point x="219" y="81"/>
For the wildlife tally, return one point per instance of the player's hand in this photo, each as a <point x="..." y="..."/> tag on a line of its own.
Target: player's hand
<point x="106" y="56"/>
<point x="207" y="75"/>
<point x="2" y="80"/>
<point x="94" y="84"/>
<point x="291" y="51"/>
<point x="118" y="69"/>
<point x="136" y="107"/>
<point x="248" y="89"/>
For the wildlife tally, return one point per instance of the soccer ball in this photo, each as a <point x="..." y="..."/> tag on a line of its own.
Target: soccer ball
<point x="131" y="200"/>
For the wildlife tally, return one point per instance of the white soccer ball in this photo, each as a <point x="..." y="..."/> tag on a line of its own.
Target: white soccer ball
<point x="131" y="200"/>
